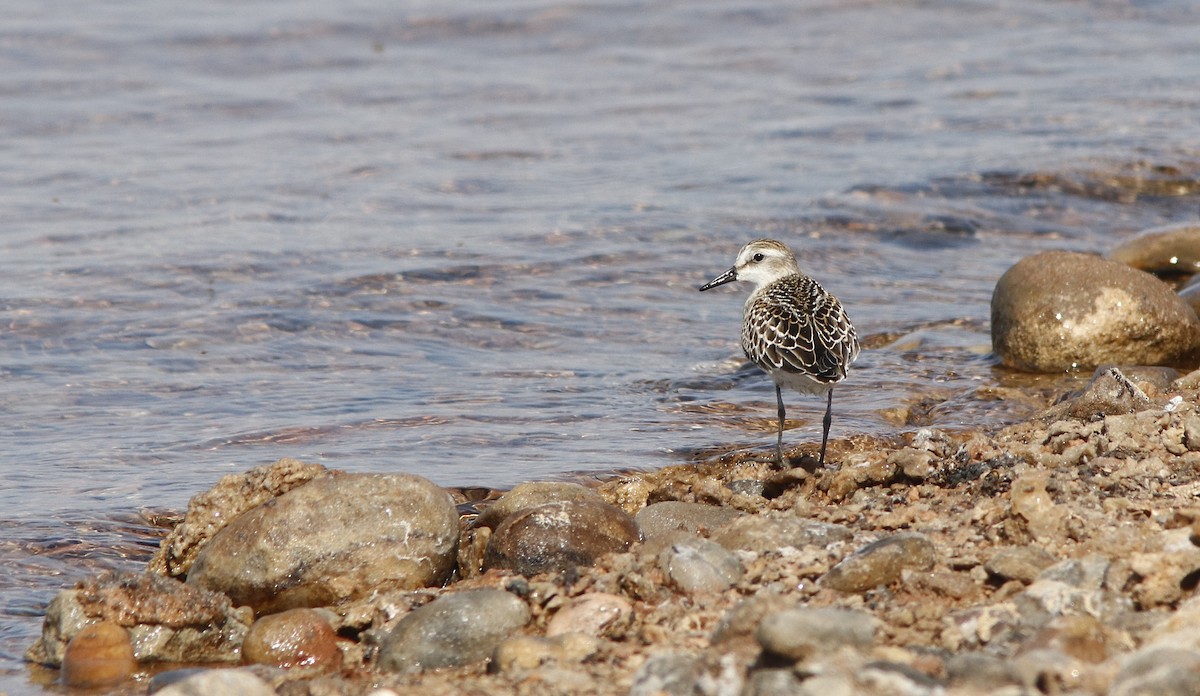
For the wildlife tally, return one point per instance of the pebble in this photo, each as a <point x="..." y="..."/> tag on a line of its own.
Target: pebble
<point x="694" y="565"/>
<point x="333" y="539"/>
<point x="1158" y="671"/>
<point x="772" y="682"/>
<point x="212" y="682"/>
<point x="293" y="638"/>
<point x="666" y="675"/>
<point x="533" y="494"/>
<point x="1022" y="563"/>
<point x="1046" y="599"/>
<point x="1167" y="576"/>
<point x="1050" y="670"/>
<point x="1080" y="636"/>
<point x="1034" y="504"/>
<point x="559" y="536"/>
<point x="881" y="563"/>
<point x="771" y="531"/>
<point x="1109" y="393"/>
<point x="982" y="672"/>
<point x="99" y="655"/>
<point x="1168" y="249"/>
<point x="831" y="685"/>
<point x="523" y="653"/>
<point x="665" y="518"/>
<point x="1191" y="433"/>
<point x="744" y="617"/>
<point x="1088" y="572"/>
<point x="898" y="678"/>
<point x="749" y="487"/>
<point x="595" y="613"/>
<point x="861" y="470"/>
<point x="798" y="633"/>
<point x="916" y="464"/>
<point x="455" y="629"/>
<point x="1059" y="311"/>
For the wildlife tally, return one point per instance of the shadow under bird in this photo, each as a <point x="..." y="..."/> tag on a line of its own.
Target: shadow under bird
<point x="792" y="328"/>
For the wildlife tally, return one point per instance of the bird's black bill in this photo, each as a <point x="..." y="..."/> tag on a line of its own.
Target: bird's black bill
<point x="726" y="277"/>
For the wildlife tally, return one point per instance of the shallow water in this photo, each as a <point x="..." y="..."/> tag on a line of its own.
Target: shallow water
<point x="464" y="241"/>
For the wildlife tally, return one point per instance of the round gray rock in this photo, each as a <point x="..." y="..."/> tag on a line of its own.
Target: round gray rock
<point x="1168" y="249"/>
<point x="214" y="682"/>
<point x="698" y="565"/>
<point x="333" y="539"/>
<point x="881" y="563"/>
<point x="1059" y="311"/>
<point x="667" y="675"/>
<point x="795" y="634"/>
<point x="559" y="536"/>
<point x="669" y="516"/>
<point x="1158" y="670"/>
<point x="453" y="630"/>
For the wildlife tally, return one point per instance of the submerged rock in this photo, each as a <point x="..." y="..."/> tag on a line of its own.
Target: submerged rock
<point x="1059" y="311"/>
<point x="1168" y="249"/>
<point x="453" y="630"/>
<point x="333" y="539"/>
<point x="559" y="536"/>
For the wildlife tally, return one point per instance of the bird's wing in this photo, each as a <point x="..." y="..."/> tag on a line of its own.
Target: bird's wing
<point x="813" y="338"/>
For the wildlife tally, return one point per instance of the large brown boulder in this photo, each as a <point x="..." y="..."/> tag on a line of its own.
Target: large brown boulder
<point x="333" y="539"/>
<point x="1059" y="311"/>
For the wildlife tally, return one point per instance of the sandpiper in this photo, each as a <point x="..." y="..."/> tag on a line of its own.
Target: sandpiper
<point x="792" y="328"/>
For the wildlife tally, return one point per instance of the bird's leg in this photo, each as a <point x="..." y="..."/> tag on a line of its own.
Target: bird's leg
<point x="782" y="415"/>
<point x="825" y="426"/>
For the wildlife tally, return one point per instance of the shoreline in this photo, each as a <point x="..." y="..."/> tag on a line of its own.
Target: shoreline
<point x="1057" y="550"/>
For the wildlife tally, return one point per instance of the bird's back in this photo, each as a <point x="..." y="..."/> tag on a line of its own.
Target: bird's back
<point x="793" y="327"/>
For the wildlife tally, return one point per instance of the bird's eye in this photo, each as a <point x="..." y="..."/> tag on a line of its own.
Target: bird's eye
<point x="758" y="257"/>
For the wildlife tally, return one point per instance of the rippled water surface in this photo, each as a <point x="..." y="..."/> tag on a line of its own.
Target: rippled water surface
<point x="464" y="239"/>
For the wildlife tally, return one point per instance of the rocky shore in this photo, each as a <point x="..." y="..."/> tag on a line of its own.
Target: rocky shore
<point x="1057" y="555"/>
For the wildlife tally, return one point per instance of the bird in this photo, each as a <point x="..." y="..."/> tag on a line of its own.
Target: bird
<point x="792" y="328"/>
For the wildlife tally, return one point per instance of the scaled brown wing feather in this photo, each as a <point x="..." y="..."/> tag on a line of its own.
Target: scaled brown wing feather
<point x="818" y="341"/>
